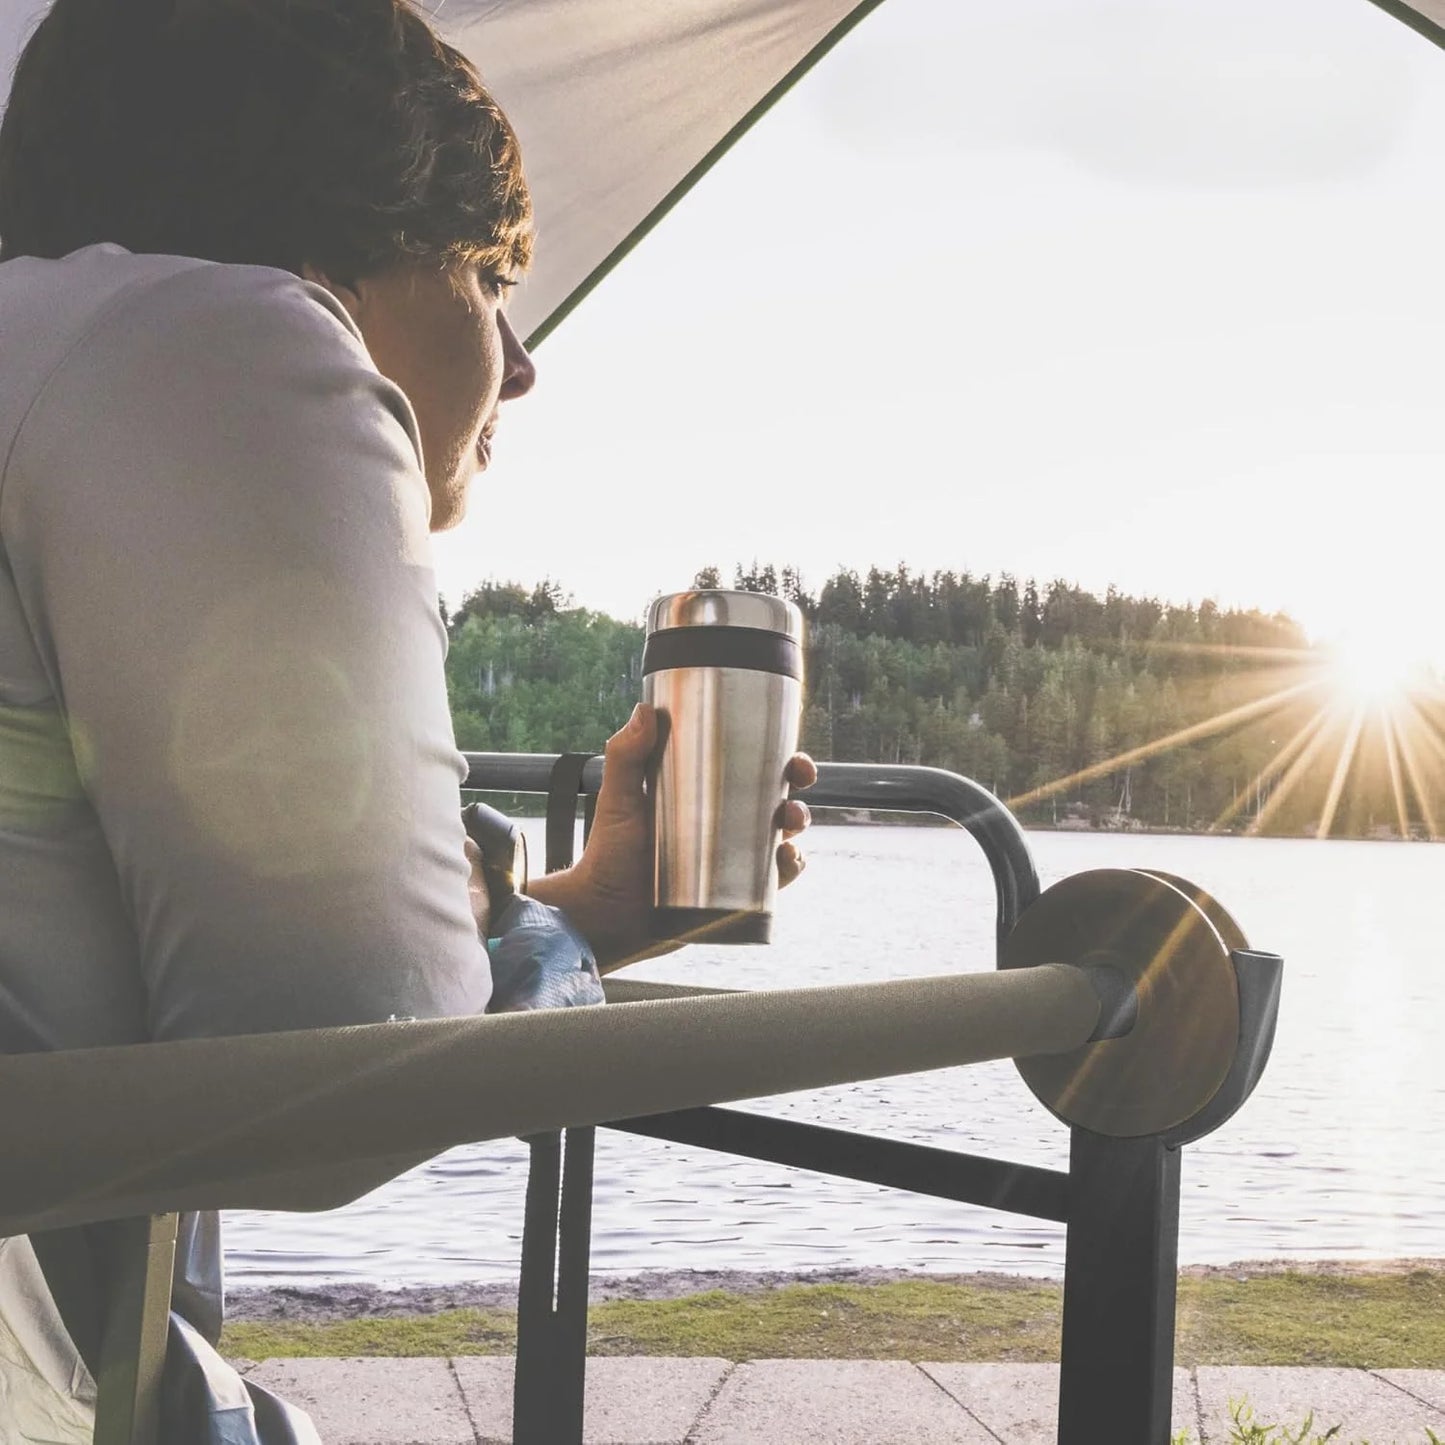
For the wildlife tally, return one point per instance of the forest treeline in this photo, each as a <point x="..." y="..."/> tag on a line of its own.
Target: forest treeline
<point x="1081" y="710"/>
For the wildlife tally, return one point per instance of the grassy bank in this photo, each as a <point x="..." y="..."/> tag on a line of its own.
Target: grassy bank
<point x="1377" y="1321"/>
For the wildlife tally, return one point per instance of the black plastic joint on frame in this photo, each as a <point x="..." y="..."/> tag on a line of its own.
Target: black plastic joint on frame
<point x="1260" y="977"/>
<point x="1118" y="1002"/>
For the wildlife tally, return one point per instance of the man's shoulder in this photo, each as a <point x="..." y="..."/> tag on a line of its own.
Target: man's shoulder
<point x="85" y="281"/>
<point x="110" y="294"/>
<point x="104" y="330"/>
<point x="152" y="366"/>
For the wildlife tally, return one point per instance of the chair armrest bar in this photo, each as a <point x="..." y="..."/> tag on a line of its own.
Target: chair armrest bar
<point x="291" y="1120"/>
<point x="844" y="785"/>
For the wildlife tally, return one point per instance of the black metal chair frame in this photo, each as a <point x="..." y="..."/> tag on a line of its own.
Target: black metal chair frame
<point x="1119" y="1198"/>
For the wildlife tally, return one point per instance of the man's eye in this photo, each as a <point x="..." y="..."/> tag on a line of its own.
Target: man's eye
<point x="498" y="284"/>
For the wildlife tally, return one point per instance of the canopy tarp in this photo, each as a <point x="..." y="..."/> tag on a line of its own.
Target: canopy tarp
<point x="1428" y="16"/>
<point x="622" y="105"/>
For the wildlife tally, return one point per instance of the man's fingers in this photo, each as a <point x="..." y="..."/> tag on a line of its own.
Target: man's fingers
<point x="790" y="863"/>
<point x="802" y="771"/>
<point x="793" y="817"/>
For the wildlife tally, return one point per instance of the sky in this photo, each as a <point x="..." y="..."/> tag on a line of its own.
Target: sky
<point x="1139" y="292"/>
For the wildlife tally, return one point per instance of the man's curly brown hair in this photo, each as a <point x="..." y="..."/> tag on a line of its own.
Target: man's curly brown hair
<point x="340" y="133"/>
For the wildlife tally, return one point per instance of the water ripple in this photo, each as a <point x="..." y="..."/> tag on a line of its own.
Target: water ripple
<point x="1340" y="1154"/>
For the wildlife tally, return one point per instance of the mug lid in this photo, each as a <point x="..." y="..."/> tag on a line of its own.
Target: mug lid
<point x="715" y="608"/>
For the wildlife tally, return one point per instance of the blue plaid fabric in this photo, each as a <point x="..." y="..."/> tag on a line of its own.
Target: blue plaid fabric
<point x="539" y="960"/>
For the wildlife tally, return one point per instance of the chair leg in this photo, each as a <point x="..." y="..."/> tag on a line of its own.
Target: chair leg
<point x="133" y="1342"/>
<point x="550" y="1378"/>
<point x="1120" y="1274"/>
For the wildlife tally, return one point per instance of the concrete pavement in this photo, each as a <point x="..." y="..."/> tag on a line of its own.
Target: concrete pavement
<point x="646" y="1401"/>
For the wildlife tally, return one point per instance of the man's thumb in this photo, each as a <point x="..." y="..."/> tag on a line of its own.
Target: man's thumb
<point x="628" y="750"/>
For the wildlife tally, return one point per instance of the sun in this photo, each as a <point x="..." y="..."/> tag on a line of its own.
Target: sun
<point x="1372" y="670"/>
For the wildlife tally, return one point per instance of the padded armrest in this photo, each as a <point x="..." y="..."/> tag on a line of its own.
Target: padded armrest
<point x="311" y="1120"/>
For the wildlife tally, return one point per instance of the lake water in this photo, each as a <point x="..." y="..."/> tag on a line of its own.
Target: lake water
<point x="1339" y="1154"/>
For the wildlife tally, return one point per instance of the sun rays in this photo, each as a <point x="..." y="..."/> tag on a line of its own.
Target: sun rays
<point x="1276" y="781"/>
<point x="1387" y="695"/>
<point x="1193" y="733"/>
<point x="1360" y="742"/>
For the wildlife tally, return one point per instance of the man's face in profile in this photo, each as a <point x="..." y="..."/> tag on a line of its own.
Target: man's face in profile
<point x="442" y="335"/>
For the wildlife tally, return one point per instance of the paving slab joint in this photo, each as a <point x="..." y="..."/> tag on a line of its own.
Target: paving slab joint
<point x="1198" y="1410"/>
<point x="691" y="1437"/>
<point x="962" y="1405"/>
<point x="1407" y="1392"/>
<point x="466" y="1403"/>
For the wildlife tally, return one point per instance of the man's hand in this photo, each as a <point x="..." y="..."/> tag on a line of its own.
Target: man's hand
<point x="608" y="893"/>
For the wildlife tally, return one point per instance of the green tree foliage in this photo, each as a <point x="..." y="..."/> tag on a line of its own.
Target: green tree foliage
<point x="511" y="599"/>
<point x="528" y="673"/>
<point x="1095" y="711"/>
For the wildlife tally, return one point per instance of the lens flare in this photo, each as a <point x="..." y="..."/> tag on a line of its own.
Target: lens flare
<point x="1357" y="735"/>
<point x="1374" y="669"/>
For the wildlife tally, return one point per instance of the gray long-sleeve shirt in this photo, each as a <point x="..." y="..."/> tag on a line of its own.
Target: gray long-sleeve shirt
<point x="228" y="780"/>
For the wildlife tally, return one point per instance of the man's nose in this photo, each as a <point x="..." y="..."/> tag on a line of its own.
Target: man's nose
<point x="519" y="374"/>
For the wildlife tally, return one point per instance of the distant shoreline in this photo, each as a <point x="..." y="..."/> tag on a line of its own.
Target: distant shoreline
<point x="315" y="1304"/>
<point x="859" y="818"/>
<point x="525" y="806"/>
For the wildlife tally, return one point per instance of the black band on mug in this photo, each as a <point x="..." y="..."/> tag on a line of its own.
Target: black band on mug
<point x="750" y="647"/>
<point x="711" y="925"/>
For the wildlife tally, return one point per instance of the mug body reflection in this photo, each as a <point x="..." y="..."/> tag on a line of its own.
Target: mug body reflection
<point x="724" y="671"/>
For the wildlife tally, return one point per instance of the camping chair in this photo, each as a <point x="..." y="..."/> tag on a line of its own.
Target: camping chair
<point x="311" y="1120"/>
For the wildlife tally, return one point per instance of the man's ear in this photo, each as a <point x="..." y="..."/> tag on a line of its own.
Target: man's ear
<point x="347" y="295"/>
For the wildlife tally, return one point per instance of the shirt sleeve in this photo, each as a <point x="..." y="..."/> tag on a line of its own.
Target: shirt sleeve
<point x="218" y="524"/>
<point x="539" y="960"/>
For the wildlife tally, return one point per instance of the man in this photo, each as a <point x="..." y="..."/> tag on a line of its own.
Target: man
<point x="255" y="255"/>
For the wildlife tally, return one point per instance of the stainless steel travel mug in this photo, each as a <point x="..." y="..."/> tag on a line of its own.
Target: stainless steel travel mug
<point x="725" y="672"/>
